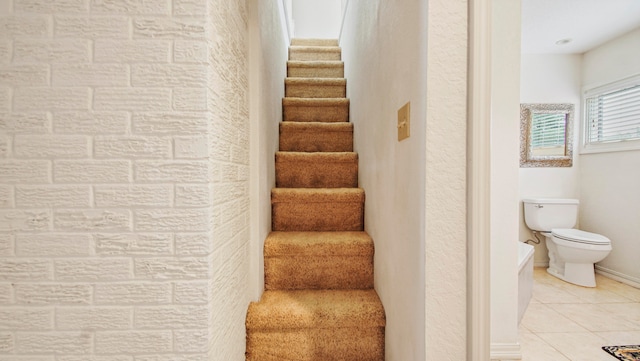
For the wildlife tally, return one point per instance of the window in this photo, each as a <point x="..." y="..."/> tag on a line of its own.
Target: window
<point x="612" y="117"/>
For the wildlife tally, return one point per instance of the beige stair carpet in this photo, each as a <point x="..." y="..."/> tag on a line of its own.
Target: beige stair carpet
<point x="318" y="260"/>
<point x="315" y="88"/>
<point x="317" y="325"/>
<point x="316" y="170"/>
<point x="315" y="109"/>
<point x="314" y="53"/>
<point x="316" y="137"/>
<point x="315" y="69"/>
<point x="319" y="302"/>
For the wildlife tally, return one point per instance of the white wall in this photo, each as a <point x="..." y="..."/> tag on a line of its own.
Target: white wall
<point x="124" y="180"/>
<point x="415" y="207"/>
<point x="550" y="78"/>
<point x="609" y="181"/>
<point x="505" y="145"/>
<point x="317" y="18"/>
<point x="613" y="60"/>
<point x="269" y="51"/>
<point x="391" y="172"/>
<point x="287" y="7"/>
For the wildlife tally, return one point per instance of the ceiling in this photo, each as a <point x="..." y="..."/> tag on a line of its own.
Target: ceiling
<point x="588" y="23"/>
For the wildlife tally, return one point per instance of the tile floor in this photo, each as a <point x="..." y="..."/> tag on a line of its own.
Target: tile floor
<point x="565" y="322"/>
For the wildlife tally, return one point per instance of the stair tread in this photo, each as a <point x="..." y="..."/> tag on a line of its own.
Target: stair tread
<point x="315" y="109"/>
<point x="318" y="244"/>
<point x="315" y="63"/>
<point x="314" y="41"/>
<point x="314" y="52"/>
<point x="316" y="126"/>
<point x="316" y="136"/>
<point x="331" y="69"/>
<point x="316" y="88"/>
<point x="316" y="169"/>
<point x="316" y="48"/>
<point x="332" y="157"/>
<point x="318" y="102"/>
<point x="315" y="81"/>
<point x="303" y="309"/>
<point x="317" y="195"/>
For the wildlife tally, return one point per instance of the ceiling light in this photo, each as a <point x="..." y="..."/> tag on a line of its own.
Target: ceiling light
<point x="564" y="41"/>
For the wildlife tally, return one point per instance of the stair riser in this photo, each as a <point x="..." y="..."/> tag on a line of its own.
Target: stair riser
<point x="313" y="55"/>
<point x="315" y="91"/>
<point x="348" y="344"/>
<point x="315" y="72"/>
<point x="301" y="113"/>
<point x="292" y="140"/>
<point x="334" y="272"/>
<point x="316" y="175"/>
<point x="329" y="216"/>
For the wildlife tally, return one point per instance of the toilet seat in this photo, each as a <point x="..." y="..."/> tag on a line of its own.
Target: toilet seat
<point x="578" y="236"/>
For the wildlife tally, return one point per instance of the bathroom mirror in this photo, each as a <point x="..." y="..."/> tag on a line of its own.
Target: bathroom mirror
<point x="546" y="135"/>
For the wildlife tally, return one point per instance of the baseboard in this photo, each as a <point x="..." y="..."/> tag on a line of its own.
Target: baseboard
<point x="626" y="279"/>
<point x="541" y="264"/>
<point x="505" y="351"/>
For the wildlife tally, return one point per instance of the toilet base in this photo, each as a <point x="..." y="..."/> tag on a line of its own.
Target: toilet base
<point x="581" y="274"/>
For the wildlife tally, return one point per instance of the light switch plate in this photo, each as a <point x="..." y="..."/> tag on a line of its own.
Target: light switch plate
<point x="404" y="121"/>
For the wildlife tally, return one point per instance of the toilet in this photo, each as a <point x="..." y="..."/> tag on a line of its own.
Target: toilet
<point x="572" y="252"/>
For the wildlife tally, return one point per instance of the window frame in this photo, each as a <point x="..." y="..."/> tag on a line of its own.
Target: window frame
<point x="611" y="146"/>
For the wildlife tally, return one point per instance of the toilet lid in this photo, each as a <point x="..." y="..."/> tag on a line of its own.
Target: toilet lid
<point x="576" y="235"/>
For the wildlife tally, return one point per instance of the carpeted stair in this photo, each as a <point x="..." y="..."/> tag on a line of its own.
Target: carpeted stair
<point x="319" y="302"/>
<point x="316" y="170"/>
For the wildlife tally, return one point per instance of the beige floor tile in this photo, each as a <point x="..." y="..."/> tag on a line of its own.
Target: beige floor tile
<point x="596" y="317"/>
<point x="618" y="287"/>
<point x="541" y="275"/>
<point x="551" y="293"/>
<point x="592" y="294"/>
<point x="542" y="318"/>
<point x="620" y="338"/>
<point x="554" y="290"/>
<point x="536" y="349"/>
<point x="581" y="346"/>
<point x="561" y="316"/>
<point x="522" y="330"/>
<point x="629" y="311"/>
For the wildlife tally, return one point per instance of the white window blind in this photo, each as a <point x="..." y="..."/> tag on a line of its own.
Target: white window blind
<point x="613" y="114"/>
<point x="549" y="129"/>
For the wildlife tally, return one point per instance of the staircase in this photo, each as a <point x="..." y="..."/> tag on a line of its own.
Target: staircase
<point x="319" y="302"/>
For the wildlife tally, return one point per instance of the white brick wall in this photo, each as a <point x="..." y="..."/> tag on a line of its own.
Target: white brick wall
<point x="123" y="180"/>
<point x="51" y="51"/>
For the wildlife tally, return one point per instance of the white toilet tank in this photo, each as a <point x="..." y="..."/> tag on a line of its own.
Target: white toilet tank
<point x="545" y="214"/>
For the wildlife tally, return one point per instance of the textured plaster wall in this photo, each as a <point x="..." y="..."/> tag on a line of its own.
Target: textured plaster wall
<point x="124" y="198"/>
<point x="229" y="153"/>
<point x="416" y="51"/>
<point x="446" y="168"/>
